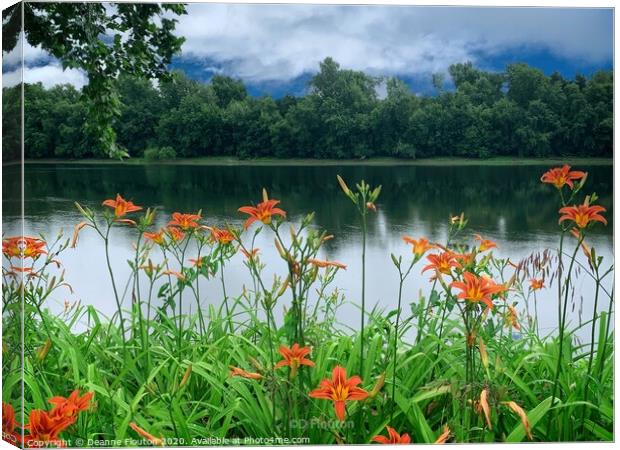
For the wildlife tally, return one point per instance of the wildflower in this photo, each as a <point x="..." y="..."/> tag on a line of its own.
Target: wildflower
<point x="76" y="232"/>
<point x="377" y="387"/>
<point x="582" y="215"/>
<point x="44" y="428"/>
<point x="340" y="390"/>
<point x="33" y="247"/>
<point x="121" y="206"/>
<point x="222" y="236"/>
<point x="237" y="372"/>
<point x="512" y="318"/>
<point x="197" y="262"/>
<point x="444" y="436"/>
<point x="45" y="348"/>
<point x="442" y="263"/>
<point x="485" y="244"/>
<point x="536" y="284"/>
<point x="524" y="420"/>
<point x="175" y="234"/>
<point x="484" y="407"/>
<point x="159" y="237"/>
<point x="294" y="357"/>
<point x="184" y="221"/>
<point x="323" y="263"/>
<point x="586" y="250"/>
<point x="9" y="423"/>
<point x="149" y="437"/>
<point x="71" y="406"/>
<point x="419" y="247"/>
<point x="11" y="247"/>
<point x="561" y="176"/>
<point x="250" y="254"/>
<point x="392" y="438"/>
<point x="262" y="212"/>
<point x="477" y="289"/>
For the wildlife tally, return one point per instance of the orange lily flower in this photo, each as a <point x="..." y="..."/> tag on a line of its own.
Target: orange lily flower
<point x="33" y="247"/>
<point x="222" y="236"/>
<point x="71" y="406"/>
<point x="582" y="215"/>
<point x="444" y="436"/>
<point x="324" y="263"/>
<point x="262" y="212"/>
<point x="146" y="435"/>
<point x="121" y="206"/>
<point x="176" y="234"/>
<point x="340" y="390"/>
<point x="11" y="246"/>
<point x="159" y="237"/>
<point x="44" y="428"/>
<point x="9" y="423"/>
<point x="442" y="263"/>
<point x="420" y="246"/>
<point x="536" y="284"/>
<point x="477" y="289"/>
<point x="485" y="244"/>
<point x="237" y="372"/>
<point x="392" y="438"/>
<point x="294" y="357"/>
<point x="184" y="221"/>
<point x="250" y="254"/>
<point x="512" y="318"/>
<point x="560" y="176"/>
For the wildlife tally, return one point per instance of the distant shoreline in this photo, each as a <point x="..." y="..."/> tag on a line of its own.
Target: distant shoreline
<point x="230" y="161"/>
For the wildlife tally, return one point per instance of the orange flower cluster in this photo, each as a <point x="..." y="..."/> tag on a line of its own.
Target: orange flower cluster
<point x="477" y="289"/>
<point x="44" y="427"/>
<point x="561" y="176"/>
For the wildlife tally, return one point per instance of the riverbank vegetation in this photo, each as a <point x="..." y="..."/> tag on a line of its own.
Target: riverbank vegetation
<point x="461" y="361"/>
<point x="519" y="112"/>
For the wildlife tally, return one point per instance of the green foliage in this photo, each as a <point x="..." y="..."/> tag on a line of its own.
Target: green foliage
<point x="159" y="154"/>
<point x="520" y="112"/>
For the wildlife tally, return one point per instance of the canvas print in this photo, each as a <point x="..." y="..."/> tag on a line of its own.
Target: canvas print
<point x="230" y="224"/>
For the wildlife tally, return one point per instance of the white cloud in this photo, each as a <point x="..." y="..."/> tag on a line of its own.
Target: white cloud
<point x="280" y="42"/>
<point x="49" y="75"/>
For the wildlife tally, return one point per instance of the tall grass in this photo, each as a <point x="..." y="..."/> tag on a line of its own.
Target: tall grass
<point x="211" y="377"/>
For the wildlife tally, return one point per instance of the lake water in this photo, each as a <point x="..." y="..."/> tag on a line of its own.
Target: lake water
<point x="507" y="204"/>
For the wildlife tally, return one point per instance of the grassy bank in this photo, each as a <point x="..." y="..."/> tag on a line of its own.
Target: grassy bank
<point x="229" y="161"/>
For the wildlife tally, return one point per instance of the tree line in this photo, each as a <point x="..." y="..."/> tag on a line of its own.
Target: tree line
<point x="518" y="112"/>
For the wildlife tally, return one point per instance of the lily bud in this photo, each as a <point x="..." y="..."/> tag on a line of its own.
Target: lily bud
<point x="186" y="376"/>
<point x="44" y="350"/>
<point x="265" y="196"/>
<point x="378" y="385"/>
<point x="371" y="206"/>
<point x="484" y="356"/>
<point x="343" y="185"/>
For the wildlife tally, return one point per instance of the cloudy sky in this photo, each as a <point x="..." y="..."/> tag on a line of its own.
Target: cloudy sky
<point x="276" y="48"/>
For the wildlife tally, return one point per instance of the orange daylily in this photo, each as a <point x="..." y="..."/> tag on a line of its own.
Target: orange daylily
<point x="324" y="263"/>
<point x="419" y="246"/>
<point x="294" y="357"/>
<point x="340" y="390"/>
<point x="121" y="206"/>
<point x="524" y="420"/>
<point x="184" y="221"/>
<point x="262" y="212"/>
<point x="237" y="372"/>
<point x="561" y="176"/>
<point x="222" y="236"/>
<point x="70" y="407"/>
<point x="442" y="263"/>
<point x="485" y="244"/>
<point x="443" y="437"/>
<point x="582" y="215"/>
<point x="44" y="428"/>
<point x="175" y="234"/>
<point x="537" y="283"/>
<point x="250" y="254"/>
<point x="24" y="247"/>
<point x="392" y="438"/>
<point x="477" y="289"/>
<point x="146" y="435"/>
<point x="512" y="318"/>
<point x="9" y="423"/>
<point x="159" y="237"/>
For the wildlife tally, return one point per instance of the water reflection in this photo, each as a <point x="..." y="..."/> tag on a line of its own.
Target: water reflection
<point x="507" y="204"/>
